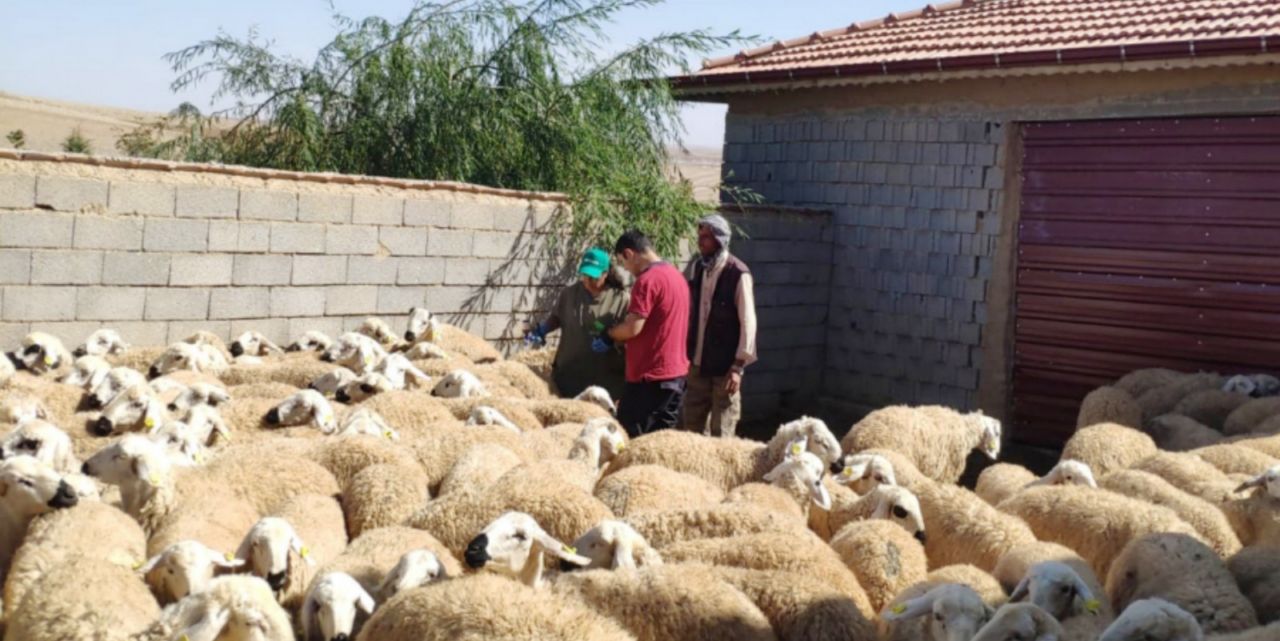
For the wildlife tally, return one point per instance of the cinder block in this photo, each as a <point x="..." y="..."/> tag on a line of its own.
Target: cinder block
<point x="177" y="304"/>
<point x="223" y="235"/>
<point x="153" y="333"/>
<point x="181" y="329"/>
<point x="449" y="242"/>
<point x="324" y="208"/>
<point x="296" y="238"/>
<point x="377" y="210"/>
<point x="493" y="244"/>
<point x="254" y="269"/>
<point x="175" y="235"/>
<point x="110" y="303"/>
<point x="275" y="329"/>
<point x="64" y="193"/>
<point x="17" y="191"/>
<point x="319" y="270"/>
<point x="200" y="269"/>
<point x="39" y="304"/>
<point x="12" y="333"/>
<point x="353" y="299"/>
<point x="427" y="212"/>
<point x="67" y="267"/>
<point x="403" y="241"/>
<point x="466" y="271"/>
<point x="297" y="301"/>
<point x="135" y="269"/>
<point x="268" y="204"/>
<point x="372" y="270"/>
<point x="253" y="237"/>
<point x="511" y="217"/>
<point x="471" y="215"/>
<point x="299" y="326"/>
<point x="35" y="229"/>
<point x="72" y="333"/>
<point x="448" y="299"/>
<point x="421" y="271"/>
<point x="240" y="302"/>
<point x="201" y="201"/>
<point x="350" y="239"/>
<point x="148" y="199"/>
<point x="108" y="232"/>
<point x="502" y="326"/>
<point x="15" y="267"/>
<point x="399" y="300"/>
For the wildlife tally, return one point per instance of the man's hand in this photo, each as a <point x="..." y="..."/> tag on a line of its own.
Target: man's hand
<point x="733" y="383"/>
<point x="602" y="343"/>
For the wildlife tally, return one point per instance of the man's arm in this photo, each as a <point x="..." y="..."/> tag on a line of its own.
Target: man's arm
<point x="629" y="328"/>
<point x="745" y="298"/>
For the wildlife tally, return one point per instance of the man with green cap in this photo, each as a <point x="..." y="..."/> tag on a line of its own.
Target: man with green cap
<point x="597" y="301"/>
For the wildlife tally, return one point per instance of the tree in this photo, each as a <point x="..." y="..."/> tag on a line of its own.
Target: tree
<point x="507" y="93"/>
<point x="76" y="143"/>
<point x="17" y="138"/>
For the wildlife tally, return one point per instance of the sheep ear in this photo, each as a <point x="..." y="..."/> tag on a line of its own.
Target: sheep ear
<point x="310" y="626"/>
<point x="910" y="609"/>
<point x="559" y="550"/>
<point x="227" y="561"/>
<point x="821" y="497"/>
<point x="882" y="509"/>
<point x="149" y="565"/>
<point x="1257" y="481"/>
<point x="209" y="627"/>
<point x="271" y="347"/>
<point x="301" y="550"/>
<point x="1020" y="592"/>
<point x="365" y="602"/>
<point x="624" y="553"/>
<point x="4" y="488"/>
<point x="245" y="550"/>
<point x="142" y="470"/>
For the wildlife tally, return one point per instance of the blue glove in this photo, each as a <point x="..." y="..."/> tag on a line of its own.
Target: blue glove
<point x="602" y="343"/>
<point x="537" y="337"/>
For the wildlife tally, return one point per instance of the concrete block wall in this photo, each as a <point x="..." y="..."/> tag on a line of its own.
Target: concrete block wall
<point x="915" y="200"/>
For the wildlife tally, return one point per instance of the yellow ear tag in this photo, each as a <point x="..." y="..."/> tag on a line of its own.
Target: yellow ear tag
<point x="325" y="418"/>
<point x="430" y="335"/>
<point x="388" y="434"/>
<point x="1092" y="606"/>
<point x="184" y="638"/>
<point x="48" y="360"/>
<point x="149" y="422"/>
<point x="847" y="472"/>
<point x="229" y="556"/>
<point x="137" y="565"/>
<point x="368" y="361"/>
<point x="622" y="446"/>
<point x="899" y="609"/>
<point x="304" y="552"/>
<point x="796" y="449"/>
<point x="569" y="549"/>
<point x="154" y="479"/>
<point x="227" y="436"/>
<point x="197" y="458"/>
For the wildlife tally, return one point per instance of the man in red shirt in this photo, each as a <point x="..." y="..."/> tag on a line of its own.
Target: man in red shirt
<point x="655" y="334"/>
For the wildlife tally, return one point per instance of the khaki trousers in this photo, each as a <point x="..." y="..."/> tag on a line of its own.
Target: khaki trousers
<point x="705" y="399"/>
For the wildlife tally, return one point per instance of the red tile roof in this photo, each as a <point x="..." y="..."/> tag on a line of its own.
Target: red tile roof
<point x="1009" y="33"/>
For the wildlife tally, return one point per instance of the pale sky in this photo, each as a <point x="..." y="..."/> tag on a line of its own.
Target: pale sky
<point x="109" y="52"/>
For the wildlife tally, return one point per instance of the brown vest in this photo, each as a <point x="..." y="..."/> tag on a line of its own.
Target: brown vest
<point x="724" y="327"/>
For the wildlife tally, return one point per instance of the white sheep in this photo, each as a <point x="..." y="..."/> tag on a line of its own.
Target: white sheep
<point x="425" y="351"/>
<point x="311" y="341"/>
<point x="937" y="440"/>
<point x="378" y="330"/>
<point x="205" y="358"/>
<point x="303" y="408"/>
<point x="233" y="608"/>
<point x="332" y="381"/>
<point x="356" y="352"/>
<point x="1255" y="385"/>
<point x="363" y="387"/>
<point x="139" y="466"/>
<point x="801" y="474"/>
<point x="888" y="502"/>
<point x="1056" y="588"/>
<point x="42" y="440"/>
<point x="87" y="372"/>
<point x="117" y="381"/>
<point x="364" y="421"/>
<point x="23" y="407"/>
<point x="28" y="488"/>
<point x="459" y="384"/>
<point x="515" y="545"/>
<point x="42" y="353"/>
<point x="599" y="396"/>
<point x="616" y="545"/>
<point x="402" y="373"/>
<point x="185" y="568"/>
<point x="1153" y="619"/>
<point x="330" y="609"/>
<point x="266" y="549"/>
<point x="423" y="326"/>
<point x="1020" y="621"/>
<point x="485" y="415"/>
<point x="1268" y="480"/>
<point x="102" y="342"/>
<point x="253" y="344"/>
<point x="863" y="472"/>
<point x="954" y="611"/>
<point x="415" y="568"/>
<point x="136" y="408"/>
<point x="181" y="443"/>
<point x="999" y="482"/>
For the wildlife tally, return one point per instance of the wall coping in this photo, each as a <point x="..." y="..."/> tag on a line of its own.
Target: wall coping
<point x="763" y="208"/>
<point x="148" y="164"/>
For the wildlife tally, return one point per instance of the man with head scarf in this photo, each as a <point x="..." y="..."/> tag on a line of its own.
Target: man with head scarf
<point x="722" y="332"/>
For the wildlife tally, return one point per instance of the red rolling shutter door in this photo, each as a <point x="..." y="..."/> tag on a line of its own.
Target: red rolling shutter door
<point x="1142" y="243"/>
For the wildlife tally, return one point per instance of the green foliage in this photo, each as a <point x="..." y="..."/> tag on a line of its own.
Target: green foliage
<point x="17" y="138"/>
<point x="505" y="93"/>
<point x="76" y="143"/>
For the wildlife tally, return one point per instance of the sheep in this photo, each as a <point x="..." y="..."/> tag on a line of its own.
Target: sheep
<point x="694" y="603"/>
<point x="1178" y="433"/>
<point x="198" y="395"/>
<point x="599" y="396"/>
<point x="644" y="488"/>
<point x="562" y="410"/>
<point x="136" y="408"/>
<point x="373" y="557"/>
<point x="84" y="598"/>
<point x="1000" y="481"/>
<point x="185" y="568"/>
<point x="43" y="441"/>
<point x="42" y="353"/>
<point x="18" y="409"/>
<point x="1268" y="481"/>
<point x="459" y="384"/>
<point x="1250" y="415"/>
<point x="1210" y="407"/>
<point x="455" y="340"/>
<point x="233" y="608"/>
<point x="1184" y="572"/>
<point x="204" y="358"/>
<point x="727" y="463"/>
<point x="101" y="343"/>
<point x="415" y="568"/>
<point x="268" y="550"/>
<point x="402" y="373"/>
<point x="356" y="352"/>
<point x="330" y="382"/>
<point x="1106" y="446"/>
<point x="485" y="415"/>
<point x="1138" y="382"/>
<point x="1017" y="562"/>
<point x="311" y="341"/>
<point x="799" y="477"/>
<point x="478" y="608"/>
<point x="117" y="381"/>
<point x="426" y="352"/>
<point x="253" y="344"/>
<point x="382" y="495"/>
<point x="1163" y="399"/>
<point x="306" y="407"/>
<point x="478" y="468"/>
<point x="331" y="609"/>
<point x="896" y="504"/>
<point x="1108" y="404"/>
<point x="1255" y="385"/>
<point x="517" y="411"/>
<point x="28" y="488"/>
<point x="615" y="545"/>
<point x="378" y="330"/>
<point x="423" y="326"/>
<point x="1020" y="621"/>
<point x="1056" y="588"/>
<point x="1207" y="519"/>
<point x="1235" y="459"/>
<point x="864" y="472"/>
<point x="936" y="440"/>
<point x="1152" y="619"/>
<point x="800" y="606"/>
<point x="516" y="546"/>
<point x="1095" y="523"/>
<point x="439" y="449"/>
<point x="1257" y="572"/>
<point x="87" y="372"/>
<point x="366" y="422"/>
<point x="671" y="526"/>
<point x="955" y="610"/>
<point x="363" y="387"/>
<point x="884" y="557"/>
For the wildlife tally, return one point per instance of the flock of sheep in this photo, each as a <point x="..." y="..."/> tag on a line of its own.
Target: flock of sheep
<point x="388" y="487"/>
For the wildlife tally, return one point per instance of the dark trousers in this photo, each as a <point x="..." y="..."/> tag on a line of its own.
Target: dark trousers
<point x="652" y="405"/>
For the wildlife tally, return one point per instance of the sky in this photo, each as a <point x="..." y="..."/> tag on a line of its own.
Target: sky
<point x="109" y="52"/>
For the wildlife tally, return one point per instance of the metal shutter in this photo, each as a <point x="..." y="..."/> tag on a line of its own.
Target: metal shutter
<point x="1142" y="243"/>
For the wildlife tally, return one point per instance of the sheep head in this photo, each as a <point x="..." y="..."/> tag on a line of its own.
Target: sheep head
<point x="820" y="440"/>
<point x="423" y="326"/>
<point x="991" y="432"/>
<point x="1020" y="621"/>
<point x="20" y="408"/>
<point x="956" y="612"/>
<point x="101" y="343"/>
<point x="185" y="568"/>
<point x="1268" y="480"/>
<point x="186" y="356"/>
<point x="1068" y="472"/>
<point x="302" y="408"/>
<point x="1153" y="620"/>
<point x="1054" y="587"/>
<point x="198" y="394"/>
<point x="616" y="545"/>
<point x="87" y="372"/>
<point x="41" y="353"/>
<point x="415" y="568"/>
<point x="311" y="341"/>
<point x="329" y="611"/>
<point x="365" y="421"/>
<point x="515" y="545"/>
<point x="864" y="472"/>
<point x="265" y="550"/>
<point x="485" y="415"/>
<point x="330" y="382"/>
<point x="459" y="384"/>
<point x="801" y="469"/>
<point x="42" y="440"/>
<point x="253" y="344"/>
<point x="357" y="352"/>
<point x="363" y="387"/>
<point x="599" y="396"/>
<point x="378" y="330"/>
<point x="600" y="440"/>
<point x="117" y="380"/>
<point x="900" y="505"/>
<point x="131" y="461"/>
<point x="136" y="408"/>
<point x="29" y="487"/>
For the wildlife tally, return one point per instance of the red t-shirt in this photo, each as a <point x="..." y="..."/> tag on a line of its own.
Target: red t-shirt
<point x="660" y="352"/>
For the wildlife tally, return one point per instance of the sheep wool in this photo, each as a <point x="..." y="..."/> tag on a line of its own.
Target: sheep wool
<point x="1250" y="415"/>
<point x="347" y="456"/>
<point x="373" y="554"/>
<point x="1182" y="571"/>
<point x="1235" y="459"/>
<point x="438" y="452"/>
<point x="1139" y="382"/>
<point x="800" y="606"/>
<point x="972" y="576"/>
<point x="671" y="526"/>
<point x="1015" y="564"/>
<point x="551" y="442"/>
<point x="1178" y="433"/>
<point x="769" y="497"/>
<point x="1211" y="407"/>
<point x="232" y="604"/>
<point x="84" y="598"/>
<point x="936" y="440"/>
<point x="651" y="487"/>
<point x="1163" y="399"/>
<point x="1108" y="404"/>
<point x="694" y="602"/>
<point x="484" y="607"/>
<point x="456" y="340"/>
<point x="1095" y="523"/>
<point x="383" y="495"/>
<point x="317" y="520"/>
<point x="1107" y="446"/>
<point x="1257" y="572"/>
<point x="1002" y="480"/>
<point x="563" y="410"/>
<point x="973" y="530"/>
<point x="479" y="467"/>
<point x="1207" y="519"/>
<point x="884" y="557"/>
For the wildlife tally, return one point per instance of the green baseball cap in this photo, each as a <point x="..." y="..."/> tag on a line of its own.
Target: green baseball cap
<point x="594" y="263"/>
